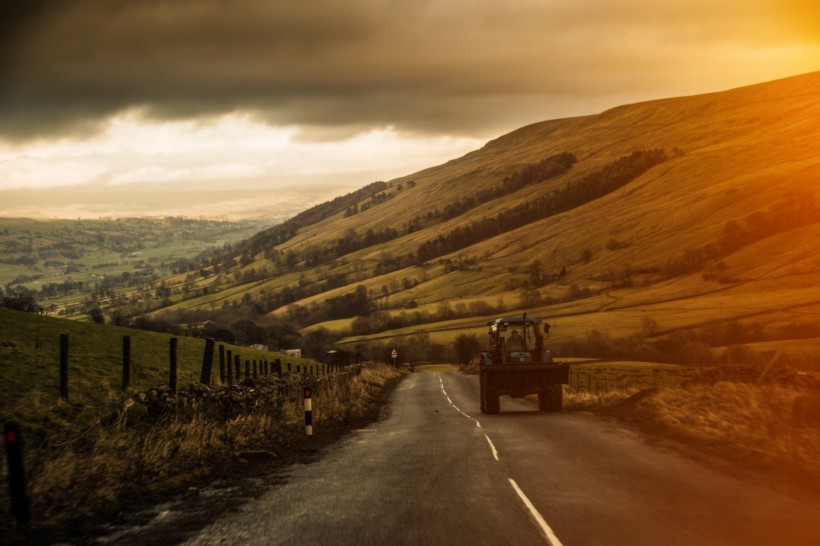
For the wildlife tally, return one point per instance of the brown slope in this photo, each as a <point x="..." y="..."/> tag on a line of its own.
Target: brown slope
<point x="752" y="131"/>
<point x="732" y="153"/>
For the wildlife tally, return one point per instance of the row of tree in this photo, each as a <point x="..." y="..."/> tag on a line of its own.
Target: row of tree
<point x="285" y="231"/>
<point x="574" y="194"/>
<point x="794" y="211"/>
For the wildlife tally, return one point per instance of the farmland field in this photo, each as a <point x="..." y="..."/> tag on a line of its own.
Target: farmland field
<point x="63" y="261"/>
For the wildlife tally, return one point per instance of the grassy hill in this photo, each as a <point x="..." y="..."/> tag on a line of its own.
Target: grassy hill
<point x="101" y="453"/>
<point x="690" y="221"/>
<point x="30" y="360"/>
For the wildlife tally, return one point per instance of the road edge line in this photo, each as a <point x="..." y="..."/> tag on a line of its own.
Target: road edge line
<point x="495" y="451"/>
<point x="539" y="519"/>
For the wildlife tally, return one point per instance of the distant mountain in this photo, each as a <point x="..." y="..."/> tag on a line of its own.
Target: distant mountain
<point x="693" y="216"/>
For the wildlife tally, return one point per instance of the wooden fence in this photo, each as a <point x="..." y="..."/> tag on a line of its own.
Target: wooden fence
<point x="231" y="369"/>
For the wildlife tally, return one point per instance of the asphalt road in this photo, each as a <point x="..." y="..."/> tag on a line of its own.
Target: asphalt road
<point x="437" y="471"/>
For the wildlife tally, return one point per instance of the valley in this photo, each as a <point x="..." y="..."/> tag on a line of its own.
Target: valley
<point x="673" y="253"/>
<point x="695" y="215"/>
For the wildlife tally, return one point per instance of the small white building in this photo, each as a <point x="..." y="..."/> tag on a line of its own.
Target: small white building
<point x="294" y="352"/>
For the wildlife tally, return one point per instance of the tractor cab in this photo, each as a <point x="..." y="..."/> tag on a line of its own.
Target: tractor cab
<point x="517" y="340"/>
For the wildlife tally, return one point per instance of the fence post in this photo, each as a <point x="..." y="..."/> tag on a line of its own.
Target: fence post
<point x="64" y="366"/>
<point x="229" y="365"/>
<point x="172" y="380"/>
<point x="126" y="362"/>
<point x="278" y="366"/>
<point x="17" y="476"/>
<point x="237" y="363"/>
<point x="221" y="363"/>
<point x="255" y="371"/>
<point x="247" y="369"/>
<point x="207" y="361"/>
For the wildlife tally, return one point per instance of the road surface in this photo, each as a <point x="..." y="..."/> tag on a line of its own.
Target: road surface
<point x="437" y="471"/>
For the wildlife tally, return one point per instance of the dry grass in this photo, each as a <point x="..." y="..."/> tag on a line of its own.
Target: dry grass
<point x="747" y="420"/>
<point x="582" y="400"/>
<point x="346" y="401"/>
<point x="763" y="426"/>
<point x="79" y="469"/>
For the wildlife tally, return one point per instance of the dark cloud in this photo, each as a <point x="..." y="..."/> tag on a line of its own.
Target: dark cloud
<point x="425" y="65"/>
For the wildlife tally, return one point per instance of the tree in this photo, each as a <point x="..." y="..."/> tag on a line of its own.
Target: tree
<point x="283" y="335"/>
<point x="444" y="311"/>
<point x="529" y="296"/>
<point x="224" y="335"/>
<point x="21" y="302"/>
<point x="317" y="342"/>
<point x="96" y="316"/>
<point x="466" y="347"/>
<point x="536" y="272"/>
<point x="732" y="237"/>
<point x="248" y="331"/>
<point x="650" y="326"/>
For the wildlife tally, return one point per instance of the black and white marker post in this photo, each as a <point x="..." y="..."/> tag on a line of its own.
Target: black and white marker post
<point x="308" y="411"/>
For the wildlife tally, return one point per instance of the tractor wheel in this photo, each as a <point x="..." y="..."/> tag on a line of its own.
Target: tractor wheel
<point x="552" y="398"/>
<point x="491" y="403"/>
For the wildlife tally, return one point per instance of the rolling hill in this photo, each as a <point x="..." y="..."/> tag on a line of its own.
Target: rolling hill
<point x="690" y="221"/>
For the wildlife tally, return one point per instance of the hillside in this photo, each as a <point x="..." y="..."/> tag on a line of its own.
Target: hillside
<point x="690" y="221"/>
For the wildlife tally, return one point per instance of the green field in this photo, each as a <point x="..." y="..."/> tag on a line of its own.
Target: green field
<point x="37" y="253"/>
<point x="30" y="359"/>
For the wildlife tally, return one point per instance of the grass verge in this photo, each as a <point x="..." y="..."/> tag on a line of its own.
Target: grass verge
<point x="142" y="448"/>
<point x="767" y="429"/>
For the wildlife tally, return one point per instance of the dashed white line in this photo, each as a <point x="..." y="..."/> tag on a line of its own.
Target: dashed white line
<point x="539" y="519"/>
<point x="492" y="446"/>
<point x="477" y="424"/>
<point x="470" y="417"/>
<point x="549" y="534"/>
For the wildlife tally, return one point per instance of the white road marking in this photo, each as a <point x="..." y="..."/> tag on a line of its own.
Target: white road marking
<point x="495" y="452"/>
<point x="470" y="417"/>
<point x="477" y="424"/>
<point x="552" y="540"/>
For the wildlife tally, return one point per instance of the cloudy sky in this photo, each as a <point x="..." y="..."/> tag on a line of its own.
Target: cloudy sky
<point x="159" y="94"/>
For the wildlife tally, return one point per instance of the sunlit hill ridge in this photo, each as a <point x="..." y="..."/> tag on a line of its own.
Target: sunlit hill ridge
<point x="690" y="221"/>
